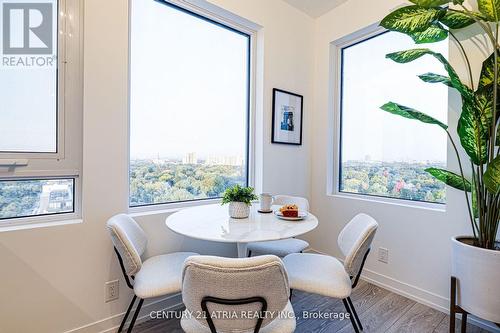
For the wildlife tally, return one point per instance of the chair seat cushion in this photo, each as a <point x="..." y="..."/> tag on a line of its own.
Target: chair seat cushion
<point x="160" y="275"/>
<point x="285" y="323"/>
<point x="280" y="248"/>
<point x="318" y="274"/>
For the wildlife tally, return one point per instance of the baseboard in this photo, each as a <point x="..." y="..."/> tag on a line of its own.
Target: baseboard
<point x="415" y="293"/>
<point x="111" y="324"/>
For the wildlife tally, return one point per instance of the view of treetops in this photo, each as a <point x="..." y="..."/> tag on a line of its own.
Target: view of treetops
<point x="397" y="180"/>
<point x="168" y="180"/>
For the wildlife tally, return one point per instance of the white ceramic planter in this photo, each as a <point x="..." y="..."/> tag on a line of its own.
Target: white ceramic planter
<point x="478" y="273"/>
<point x="238" y="210"/>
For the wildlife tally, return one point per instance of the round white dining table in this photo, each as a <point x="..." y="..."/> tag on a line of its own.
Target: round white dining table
<point x="212" y="223"/>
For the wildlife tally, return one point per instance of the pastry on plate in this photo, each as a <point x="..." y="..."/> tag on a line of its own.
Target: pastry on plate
<point x="290" y="211"/>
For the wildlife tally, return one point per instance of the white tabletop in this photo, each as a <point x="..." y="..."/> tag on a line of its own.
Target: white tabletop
<point x="212" y="223"/>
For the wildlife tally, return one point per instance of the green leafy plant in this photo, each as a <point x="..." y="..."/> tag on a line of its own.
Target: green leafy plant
<point x="430" y="21"/>
<point x="239" y="194"/>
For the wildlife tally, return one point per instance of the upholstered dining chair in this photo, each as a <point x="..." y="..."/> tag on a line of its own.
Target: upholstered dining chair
<point x="156" y="276"/>
<point x="216" y="287"/>
<point x="283" y="247"/>
<point x="325" y="275"/>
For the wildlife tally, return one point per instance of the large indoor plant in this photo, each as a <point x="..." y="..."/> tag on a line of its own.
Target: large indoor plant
<point x="476" y="259"/>
<point x="239" y="199"/>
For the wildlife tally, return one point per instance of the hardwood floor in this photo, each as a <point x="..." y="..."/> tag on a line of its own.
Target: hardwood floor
<point x="380" y="311"/>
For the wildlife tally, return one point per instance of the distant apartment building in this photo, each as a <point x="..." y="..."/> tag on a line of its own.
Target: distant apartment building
<point x="190" y="158"/>
<point x="55" y="198"/>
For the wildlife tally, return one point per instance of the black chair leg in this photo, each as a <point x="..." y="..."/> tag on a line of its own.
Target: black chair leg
<point x="134" y="318"/>
<point x="127" y="313"/>
<point x="464" y="323"/>
<point x="353" y="321"/>
<point x="355" y="313"/>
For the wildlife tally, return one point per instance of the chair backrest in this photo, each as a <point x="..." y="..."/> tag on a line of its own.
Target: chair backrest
<point x="129" y="240"/>
<point x="235" y="279"/>
<point x="355" y="240"/>
<point x="302" y="203"/>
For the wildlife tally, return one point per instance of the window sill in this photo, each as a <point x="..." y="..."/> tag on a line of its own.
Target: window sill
<point x="440" y="208"/>
<point x="35" y="225"/>
<point x="169" y="208"/>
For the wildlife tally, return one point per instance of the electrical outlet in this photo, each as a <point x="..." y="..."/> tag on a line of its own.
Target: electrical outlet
<point x="111" y="290"/>
<point x="383" y="255"/>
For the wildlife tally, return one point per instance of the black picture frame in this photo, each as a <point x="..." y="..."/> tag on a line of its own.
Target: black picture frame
<point x="274" y="131"/>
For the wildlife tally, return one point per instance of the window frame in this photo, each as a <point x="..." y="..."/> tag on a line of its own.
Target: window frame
<point x="216" y="15"/>
<point x="56" y="165"/>
<point x="60" y="75"/>
<point x="334" y="153"/>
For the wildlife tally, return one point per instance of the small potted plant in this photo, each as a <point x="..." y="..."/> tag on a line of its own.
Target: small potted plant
<point x="239" y="199"/>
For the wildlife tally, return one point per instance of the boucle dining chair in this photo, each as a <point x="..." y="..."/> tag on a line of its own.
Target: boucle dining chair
<point x="327" y="276"/>
<point x="282" y="247"/>
<point x="156" y="276"/>
<point x="218" y="287"/>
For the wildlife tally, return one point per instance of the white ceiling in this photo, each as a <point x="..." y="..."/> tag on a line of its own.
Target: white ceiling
<point x="315" y="8"/>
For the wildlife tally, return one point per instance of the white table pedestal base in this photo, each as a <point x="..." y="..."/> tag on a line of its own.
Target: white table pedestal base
<point x="242" y="250"/>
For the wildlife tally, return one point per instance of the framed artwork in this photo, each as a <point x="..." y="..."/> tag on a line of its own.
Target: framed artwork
<point x="287" y="117"/>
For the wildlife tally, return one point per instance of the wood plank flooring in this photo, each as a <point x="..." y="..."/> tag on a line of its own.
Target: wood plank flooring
<point x="380" y="311"/>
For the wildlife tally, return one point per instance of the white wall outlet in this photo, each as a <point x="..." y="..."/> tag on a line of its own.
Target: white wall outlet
<point x="111" y="290"/>
<point x="383" y="255"/>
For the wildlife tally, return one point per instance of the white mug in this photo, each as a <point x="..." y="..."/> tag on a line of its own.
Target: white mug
<point x="265" y="202"/>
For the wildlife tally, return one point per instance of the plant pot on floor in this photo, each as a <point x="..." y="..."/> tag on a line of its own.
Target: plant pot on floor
<point x="239" y="210"/>
<point x="477" y="271"/>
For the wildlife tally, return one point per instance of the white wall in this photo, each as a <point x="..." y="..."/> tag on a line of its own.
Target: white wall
<point x="418" y="239"/>
<point x="53" y="278"/>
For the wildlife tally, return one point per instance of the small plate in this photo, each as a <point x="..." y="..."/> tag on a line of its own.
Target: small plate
<point x="302" y="215"/>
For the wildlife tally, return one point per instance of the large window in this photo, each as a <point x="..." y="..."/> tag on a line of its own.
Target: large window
<point x="40" y="101"/>
<point x="189" y="105"/>
<point x="382" y="154"/>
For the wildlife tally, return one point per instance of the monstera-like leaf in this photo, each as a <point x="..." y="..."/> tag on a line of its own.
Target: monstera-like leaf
<point x="411" y="19"/>
<point x="456" y="20"/>
<point x="450" y="179"/>
<point x="475" y="210"/>
<point x="410" y="113"/>
<point x="488" y="71"/>
<point x="436" y="78"/>
<point x="492" y="176"/>
<point x="490" y="9"/>
<point x="406" y="56"/>
<point x="413" y="54"/>
<point x="472" y="134"/>
<point x="430" y="3"/>
<point x="484" y="106"/>
<point x="434" y="33"/>
<point x="497" y="139"/>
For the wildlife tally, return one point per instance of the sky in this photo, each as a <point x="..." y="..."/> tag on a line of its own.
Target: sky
<point x="369" y="81"/>
<point x="178" y="103"/>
